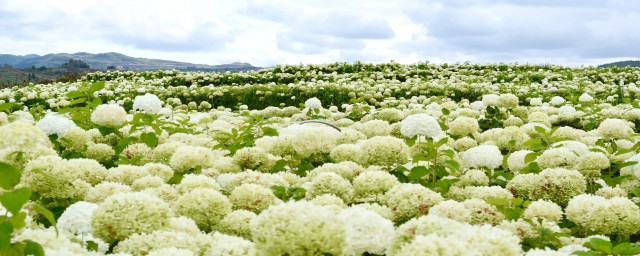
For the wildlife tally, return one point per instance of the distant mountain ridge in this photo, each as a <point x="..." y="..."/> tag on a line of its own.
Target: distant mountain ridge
<point x="631" y="63"/>
<point x="121" y="61"/>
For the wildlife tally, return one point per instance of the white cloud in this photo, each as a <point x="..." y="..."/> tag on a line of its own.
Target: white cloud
<point x="266" y="33"/>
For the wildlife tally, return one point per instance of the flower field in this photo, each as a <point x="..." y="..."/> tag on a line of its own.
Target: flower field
<point x="336" y="159"/>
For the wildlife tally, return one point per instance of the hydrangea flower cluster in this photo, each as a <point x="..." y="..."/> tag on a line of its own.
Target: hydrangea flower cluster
<point x="421" y="159"/>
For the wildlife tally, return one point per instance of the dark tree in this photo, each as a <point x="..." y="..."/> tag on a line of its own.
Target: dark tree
<point x="75" y="64"/>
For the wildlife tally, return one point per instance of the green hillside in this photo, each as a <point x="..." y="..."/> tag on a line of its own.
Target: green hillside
<point x="120" y="61"/>
<point x="630" y="63"/>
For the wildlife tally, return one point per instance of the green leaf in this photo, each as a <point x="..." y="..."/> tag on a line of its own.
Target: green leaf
<point x="531" y="157"/>
<point x="636" y="192"/>
<point x="498" y="201"/>
<point x="176" y="179"/>
<point x="448" y="153"/>
<point x="399" y="173"/>
<point x="149" y="138"/>
<point x="632" y="250"/>
<point x="540" y="130"/>
<point x="14" y="200"/>
<point x="618" y="249"/>
<point x="7" y="106"/>
<point x="92" y="246"/>
<point x="95" y="102"/>
<point x="420" y="157"/>
<point x="46" y="214"/>
<point x="410" y="141"/>
<point x="451" y="164"/>
<point x="147" y="119"/>
<point x="268" y="131"/>
<point x="443" y="185"/>
<point x="280" y="166"/>
<point x="303" y="168"/>
<point x="74" y="94"/>
<point x="279" y="192"/>
<point x="123" y="143"/>
<point x="442" y="142"/>
<point x="517" y="201"/>
<point x="625" y="164"/>
<point x="96" y="86"/>
<point x="17" y="220"/>
<point x="33" y="248"/>
<point x="534" y="144"/>
<point x="5" y="235"/>
<point x="584" y="253"/>
<point x="418" y="172"/>
<point x="105" y="130"/>
<point x="512" y="214"/>
<point x="78" y="101"/>
<point x="531" y="168"/>
<point x="445" y="111"/>
<point x="600" y="245"/>
<point x="297" y="193"/>
<point x="10" y="176"/>
<point x="602" y="150"/>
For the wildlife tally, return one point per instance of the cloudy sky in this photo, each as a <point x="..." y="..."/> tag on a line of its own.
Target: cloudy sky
<point x="270" y="32"/>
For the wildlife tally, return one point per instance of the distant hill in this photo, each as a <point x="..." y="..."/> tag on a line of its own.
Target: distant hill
<point x="120" y="61"/>
<point x="630" y="63"/>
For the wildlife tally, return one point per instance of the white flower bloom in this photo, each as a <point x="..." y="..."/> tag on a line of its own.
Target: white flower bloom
<point x="148" y="103"/>
<point x="535" y="102"/>
<point x="420" y="124"/>
<point x="482" y="156"/>
<point x="109" y="115"/>
<point x="557" y="100"/>
<point x="367" y="231"/>
<point x="490" y="99"/>
<point x="55" y="124"/>
<point x="313" y="103"/>
<point x="585" y="98"/>
<point x="76" y="218"/>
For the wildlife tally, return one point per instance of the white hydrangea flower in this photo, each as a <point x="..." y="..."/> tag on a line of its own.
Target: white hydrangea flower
<point x="585" y="98"/>
<point x="557" y="100"/>
<point x="149" y="103"/>
<point x="617" y="215"/>
<point x="490" y="99"/>
<point x="77" y="218"/>
<point x="488" y="156"/>
<point x="420" y="124"/>
<point x="367" y="231"/>
<point x="614" y="128"/>
<point x="535" y="102"/>
<point x="313" y="103"/>
<point x="53" y="123"/>
<point x="109" y="115"/>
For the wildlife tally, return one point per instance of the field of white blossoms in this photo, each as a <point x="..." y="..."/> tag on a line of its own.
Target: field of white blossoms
<point x="337" y="159"/>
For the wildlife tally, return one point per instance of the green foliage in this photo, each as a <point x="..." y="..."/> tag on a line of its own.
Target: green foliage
<point x="83" y="103"/>
<point x="545" y="238"/>
<point x="511" y="208"/>
<point x="286" y="194"/>
<point x="492" y="119"/>
<point x="10" y="176"/>
<point x="245" y="136"/>
<point x="13" y="220"/>
<point x="432" y="174"/>
<point x="600" y="246"/>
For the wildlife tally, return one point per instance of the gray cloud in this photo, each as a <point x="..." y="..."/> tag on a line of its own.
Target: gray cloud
<point x="510" y="30"/>
<point x="311" y="43"/>
<point x="205" y="37"/>
<point x="320" y="29"/>
<point x="272" y="31"/>
<point x="348" y="25"/>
